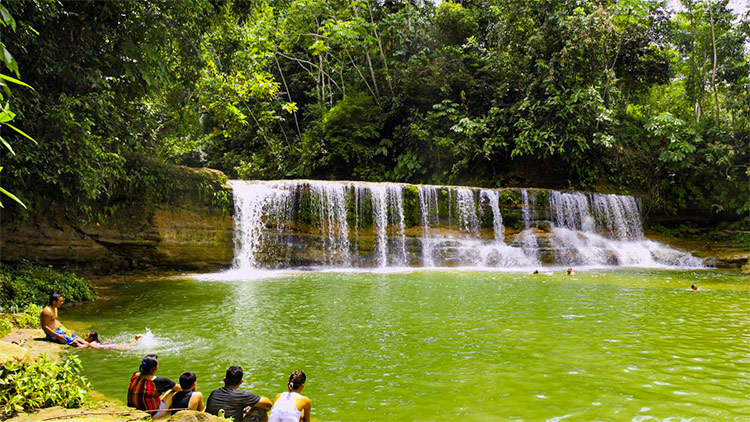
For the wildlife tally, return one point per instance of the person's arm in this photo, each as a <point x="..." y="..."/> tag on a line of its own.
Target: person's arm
<point x="167" y="398"/>
<point x="132" y="342"/>
<point x="264" y="403"/>
<point x="306" y="409"/>
<point x="196" y="402"/>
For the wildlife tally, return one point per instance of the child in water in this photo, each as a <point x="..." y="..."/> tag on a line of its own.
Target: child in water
<point x="93" y="339"/>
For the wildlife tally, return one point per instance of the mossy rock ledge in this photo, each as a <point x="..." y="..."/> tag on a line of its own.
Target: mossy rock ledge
<point x="192" y="230"/>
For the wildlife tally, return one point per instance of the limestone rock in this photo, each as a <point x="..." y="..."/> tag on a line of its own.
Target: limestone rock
<point x="193" y="416"/>
<point x="32" y="341"/>
<point x="12" y="352"/>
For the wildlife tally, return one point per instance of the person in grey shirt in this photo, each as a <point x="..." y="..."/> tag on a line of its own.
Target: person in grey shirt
<point x="241" y="405"/>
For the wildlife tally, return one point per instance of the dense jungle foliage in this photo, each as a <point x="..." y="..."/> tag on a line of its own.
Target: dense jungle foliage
<point x="609" y="95"/>
<point x="23" y="284"/>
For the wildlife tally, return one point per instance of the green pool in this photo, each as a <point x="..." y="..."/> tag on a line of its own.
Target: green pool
<point x="447" y="345"/>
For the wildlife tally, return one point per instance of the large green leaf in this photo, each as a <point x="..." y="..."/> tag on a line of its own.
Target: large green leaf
<point x="11" y="196"/>
<point x="7" y="145"/>
<point x="7" y="19"/>
<point x="21" y="132"/>
<point x="15" y="81"/>
<point x="10" y="62"/>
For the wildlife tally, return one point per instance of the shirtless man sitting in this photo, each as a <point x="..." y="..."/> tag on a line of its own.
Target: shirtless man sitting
<point x="53" y="329"/>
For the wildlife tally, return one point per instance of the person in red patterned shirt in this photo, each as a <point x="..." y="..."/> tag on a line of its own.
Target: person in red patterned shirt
<point x="142" y="392"/>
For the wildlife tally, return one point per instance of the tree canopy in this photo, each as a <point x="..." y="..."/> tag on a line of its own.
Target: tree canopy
<point x="608" y="95"/>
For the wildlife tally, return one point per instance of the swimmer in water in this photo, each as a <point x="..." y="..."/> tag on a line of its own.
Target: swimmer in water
<point x="569" y="271"/>
<point x="694" y="287"/>
<point x="93" y="339"/>
<point x="535" y="272"/>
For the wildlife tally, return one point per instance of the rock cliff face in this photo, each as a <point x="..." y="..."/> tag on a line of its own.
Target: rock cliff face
<point x="191" y="233"/>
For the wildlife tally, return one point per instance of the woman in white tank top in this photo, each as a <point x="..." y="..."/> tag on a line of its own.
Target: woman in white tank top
<point x="292" y="406"/>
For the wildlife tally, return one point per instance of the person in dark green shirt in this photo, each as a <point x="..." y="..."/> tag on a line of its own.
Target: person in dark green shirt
<point x="240" y="405"/>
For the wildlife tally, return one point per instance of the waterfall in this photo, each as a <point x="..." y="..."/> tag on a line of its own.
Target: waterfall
<point x="380" y="219"/>
<point x="359" y="198"/>
<point x="526" y="210"/>
<point x="396" y="202"/>
<point x="578" y="234"/>
<point x="497" y="218"/>
<point x="619" y="215"/>
<point x="330" y="203"/>
<point x="253" y="202"/>
<point x="282" y="224"/>
<point x="450" y="201"/>
<point x="570" y="210"/>
<point x="467" y="211"/>
<point x="428" y="207"/>
<point x="526" y="238"/>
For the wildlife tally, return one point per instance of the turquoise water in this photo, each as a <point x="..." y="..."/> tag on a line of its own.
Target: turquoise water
<point x="447" y="345"/>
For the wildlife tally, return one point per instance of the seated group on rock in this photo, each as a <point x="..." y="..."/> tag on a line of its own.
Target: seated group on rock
<point x="158" y="396"/>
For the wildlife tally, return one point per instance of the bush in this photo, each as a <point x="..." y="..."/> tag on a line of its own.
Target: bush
<point x="24" y="284"/>
<point x="44" y="383"/>
<point x="5" y="325"/>
<point x="29" y="318"/>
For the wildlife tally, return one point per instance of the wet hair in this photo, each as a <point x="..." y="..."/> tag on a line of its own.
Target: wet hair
<point x="54" y="297"/>
<point x="94" y="336"/>
<point x="234" y="375"/>
<point x="148" y="364"/>
<point x="187" y="379"/>
<point x="694" y="286"/>
<point x="296" y="380"/>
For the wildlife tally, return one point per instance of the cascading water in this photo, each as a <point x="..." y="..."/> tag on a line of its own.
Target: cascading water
<point x="281" y="224"/>
<point x="380" y="218"/>
<point x="467" y="211"/>
<point x="619" y="216"/>
<point x="428" y="207"/>
<point x="497" y="218"/>
<point x="570" y="210"/>
<point x="253" y="202"/>
<point x="396" y="202"/>
<point x="330" y="203"/>
<point x="577" y="241"/>
<point x="526" y="238"/>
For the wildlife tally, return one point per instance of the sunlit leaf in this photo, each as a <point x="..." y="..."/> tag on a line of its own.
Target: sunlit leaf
<point x="7" y="145"/>
<point x="13" y="197"/>
<point x="21" y="132"/>
<point x="14" y="80"/>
